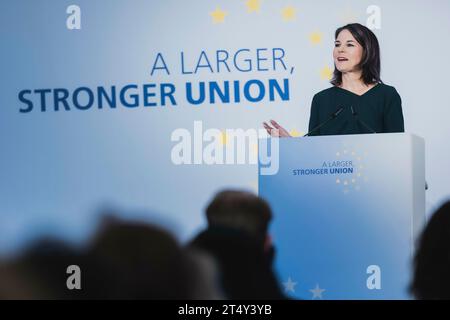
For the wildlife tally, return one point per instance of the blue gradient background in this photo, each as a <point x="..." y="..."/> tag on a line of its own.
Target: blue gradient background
<point x="59" y="169"/>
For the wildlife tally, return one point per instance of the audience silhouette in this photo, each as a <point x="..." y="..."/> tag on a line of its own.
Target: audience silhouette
<point x="431" y="277"/>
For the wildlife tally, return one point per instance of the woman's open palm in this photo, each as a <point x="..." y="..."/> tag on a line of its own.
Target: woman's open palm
<point x="276" y="130"/>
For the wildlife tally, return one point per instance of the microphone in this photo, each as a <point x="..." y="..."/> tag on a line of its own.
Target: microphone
<point x="355" y="114"/>
<point x="332" y="116"/>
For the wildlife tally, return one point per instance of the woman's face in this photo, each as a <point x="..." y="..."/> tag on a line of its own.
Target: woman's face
<point x="347" y="52"/>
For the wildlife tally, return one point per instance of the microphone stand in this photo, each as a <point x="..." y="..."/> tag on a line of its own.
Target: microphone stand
<point x="332" y="116"/>
<point x="355" y="114"/>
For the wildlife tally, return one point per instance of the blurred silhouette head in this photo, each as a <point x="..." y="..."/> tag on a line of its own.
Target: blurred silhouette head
<point x="431" y="276"/>
<point x="137" y="261"/>
<point x="237" y="239"/>
<point x="245" y="270"/>
<point x="39" y="272"/>
<point x="124" y="260"/>
<point x="242" y="211"/>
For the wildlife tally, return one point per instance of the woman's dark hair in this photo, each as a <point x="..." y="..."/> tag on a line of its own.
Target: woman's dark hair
<point x="431" y="269"/>
<point x="370" y="61"/>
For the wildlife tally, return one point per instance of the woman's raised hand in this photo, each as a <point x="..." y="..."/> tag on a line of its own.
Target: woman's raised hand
<point x="276" y="130"/>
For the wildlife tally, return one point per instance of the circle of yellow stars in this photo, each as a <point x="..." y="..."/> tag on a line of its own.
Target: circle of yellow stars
<point x="354" y="181"/>
<point x="288" y="13"/>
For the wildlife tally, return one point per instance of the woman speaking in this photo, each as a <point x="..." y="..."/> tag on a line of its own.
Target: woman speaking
<point x="358" y="102"/>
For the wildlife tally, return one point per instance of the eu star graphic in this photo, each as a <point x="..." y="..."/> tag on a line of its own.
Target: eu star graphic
<point x="317" y="292"/>
<point x="218" y="15"/>
<point x="289" y="285"/>
<point x="254" y="149"/>
<point x="288" y="13"/>
<point x="253" y="5"/>
<point x="326" y="73"/>
<point x="315" y="37"/>
<point x="295" y="133"/>
<point x="224" y="138"/>
<point x="349" y="183"/>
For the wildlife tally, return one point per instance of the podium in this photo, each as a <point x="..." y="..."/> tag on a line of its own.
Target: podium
<point x="347" y="211"/>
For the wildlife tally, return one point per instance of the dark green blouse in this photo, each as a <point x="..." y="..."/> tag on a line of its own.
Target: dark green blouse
<point x="379" y="110"/>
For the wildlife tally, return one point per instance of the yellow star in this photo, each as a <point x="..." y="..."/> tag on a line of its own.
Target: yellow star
<point x="253" y="5"/>
<point x="295" y="133"/>
<point x="288" y="13"/>
<point x="326" y="73"/>
<point x="224" y="139"/>
<point x="254" y="148"/>
<point x="218" y="15"/>
<point x="315" y="37"/>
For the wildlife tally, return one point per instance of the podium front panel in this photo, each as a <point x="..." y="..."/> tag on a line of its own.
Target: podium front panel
<point x="345" y="212"/>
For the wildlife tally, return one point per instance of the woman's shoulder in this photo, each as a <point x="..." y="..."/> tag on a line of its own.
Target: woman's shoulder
<point x="323" y="95"/>
<point x="325" y="92"/>
<point x="387" y="88"/>
<point x="389" y="92"/>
